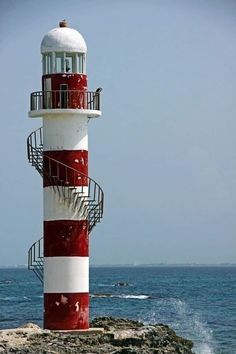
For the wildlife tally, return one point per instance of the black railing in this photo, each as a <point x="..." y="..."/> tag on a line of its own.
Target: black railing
<point x="35" y="258"/>
<point x="70" y="99"/>
<point x="35" y="149"/>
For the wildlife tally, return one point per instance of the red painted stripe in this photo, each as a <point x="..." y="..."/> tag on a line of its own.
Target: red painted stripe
<point x="74" y="81"/>
<point x="66" y="238"/>
<point x="76" y="159"/>
<point x="66" y="311"/>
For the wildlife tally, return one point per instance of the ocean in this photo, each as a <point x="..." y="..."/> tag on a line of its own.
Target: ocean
<point x="198" y="302"/>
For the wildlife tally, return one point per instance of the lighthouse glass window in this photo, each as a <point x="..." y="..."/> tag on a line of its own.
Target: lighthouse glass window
<point x="73" y="63"/>
<point x="69" y="63"/>
<point x="63" y="63"/>
<point x="80" y="63"/>
<point x="60" y="63"/>
<point x="47" y="63"/>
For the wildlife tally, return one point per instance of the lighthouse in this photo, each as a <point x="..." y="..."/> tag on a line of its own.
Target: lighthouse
<point x="72" y="200"/>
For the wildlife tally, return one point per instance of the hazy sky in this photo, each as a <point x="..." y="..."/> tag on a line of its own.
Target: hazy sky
<point x="164" y="150"/>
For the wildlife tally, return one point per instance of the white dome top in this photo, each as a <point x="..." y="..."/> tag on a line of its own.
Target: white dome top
<point x="63" y="39"/>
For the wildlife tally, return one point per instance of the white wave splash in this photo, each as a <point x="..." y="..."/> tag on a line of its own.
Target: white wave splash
<point x="202" y="335"/>
<point x="178" y="315"/>
<point x="26" y="298"/>
<point x="138" y="297"/>
<point x="121" y="296"/>
<point x="15" y="298"/>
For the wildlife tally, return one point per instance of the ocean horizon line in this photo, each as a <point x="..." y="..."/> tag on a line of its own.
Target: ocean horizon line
<point x="162" y="264"/>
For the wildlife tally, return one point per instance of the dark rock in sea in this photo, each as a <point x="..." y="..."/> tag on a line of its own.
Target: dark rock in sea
<point x="120" y="336"/>
<point x="122" y="283"/>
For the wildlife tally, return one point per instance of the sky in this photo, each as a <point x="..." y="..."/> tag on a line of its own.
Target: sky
<point x="164" y="150"/>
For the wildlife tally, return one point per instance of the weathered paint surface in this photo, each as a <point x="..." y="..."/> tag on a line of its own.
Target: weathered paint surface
<point x="76" y="85"/>
<point x="77" y="160"/>
<point x="74" y="81"/>
<point x="66" y="311"/>
<point x="66" y="238"/>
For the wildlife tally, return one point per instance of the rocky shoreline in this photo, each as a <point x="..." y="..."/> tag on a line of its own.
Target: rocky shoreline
<point x="120" y="336"/>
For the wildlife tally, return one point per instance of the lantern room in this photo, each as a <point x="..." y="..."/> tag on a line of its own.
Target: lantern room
<point x="63" y="62"/>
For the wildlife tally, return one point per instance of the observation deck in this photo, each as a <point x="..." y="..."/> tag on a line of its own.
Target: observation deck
<point x="66" y="102"/>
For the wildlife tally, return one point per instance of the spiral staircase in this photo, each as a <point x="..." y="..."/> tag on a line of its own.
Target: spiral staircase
<point x="85" y="201"/>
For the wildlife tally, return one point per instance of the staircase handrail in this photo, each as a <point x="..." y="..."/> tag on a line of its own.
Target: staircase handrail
<point x="61" y="163"/>
<point x="35" y="258"/>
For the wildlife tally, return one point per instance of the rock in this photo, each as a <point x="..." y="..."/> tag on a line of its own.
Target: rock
<point x="111" y="323"/>
<point x="122" y="283"/>
<point x="120" y="336"/>
<point x="30" y="325"/>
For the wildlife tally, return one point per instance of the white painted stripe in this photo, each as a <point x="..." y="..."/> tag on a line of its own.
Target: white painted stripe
<point x="56" y="208"/>
<point x="65" y="133"/>
<point x="66" y="274"/>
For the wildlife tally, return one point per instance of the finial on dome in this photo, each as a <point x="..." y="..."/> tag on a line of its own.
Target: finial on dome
<point x="63" y="23"/>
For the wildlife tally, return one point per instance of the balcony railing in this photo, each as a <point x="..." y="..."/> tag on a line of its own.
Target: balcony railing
<point x="70" y="99"/>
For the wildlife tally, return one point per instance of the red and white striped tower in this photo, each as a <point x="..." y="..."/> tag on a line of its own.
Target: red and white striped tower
<point x="66" y="107"/>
